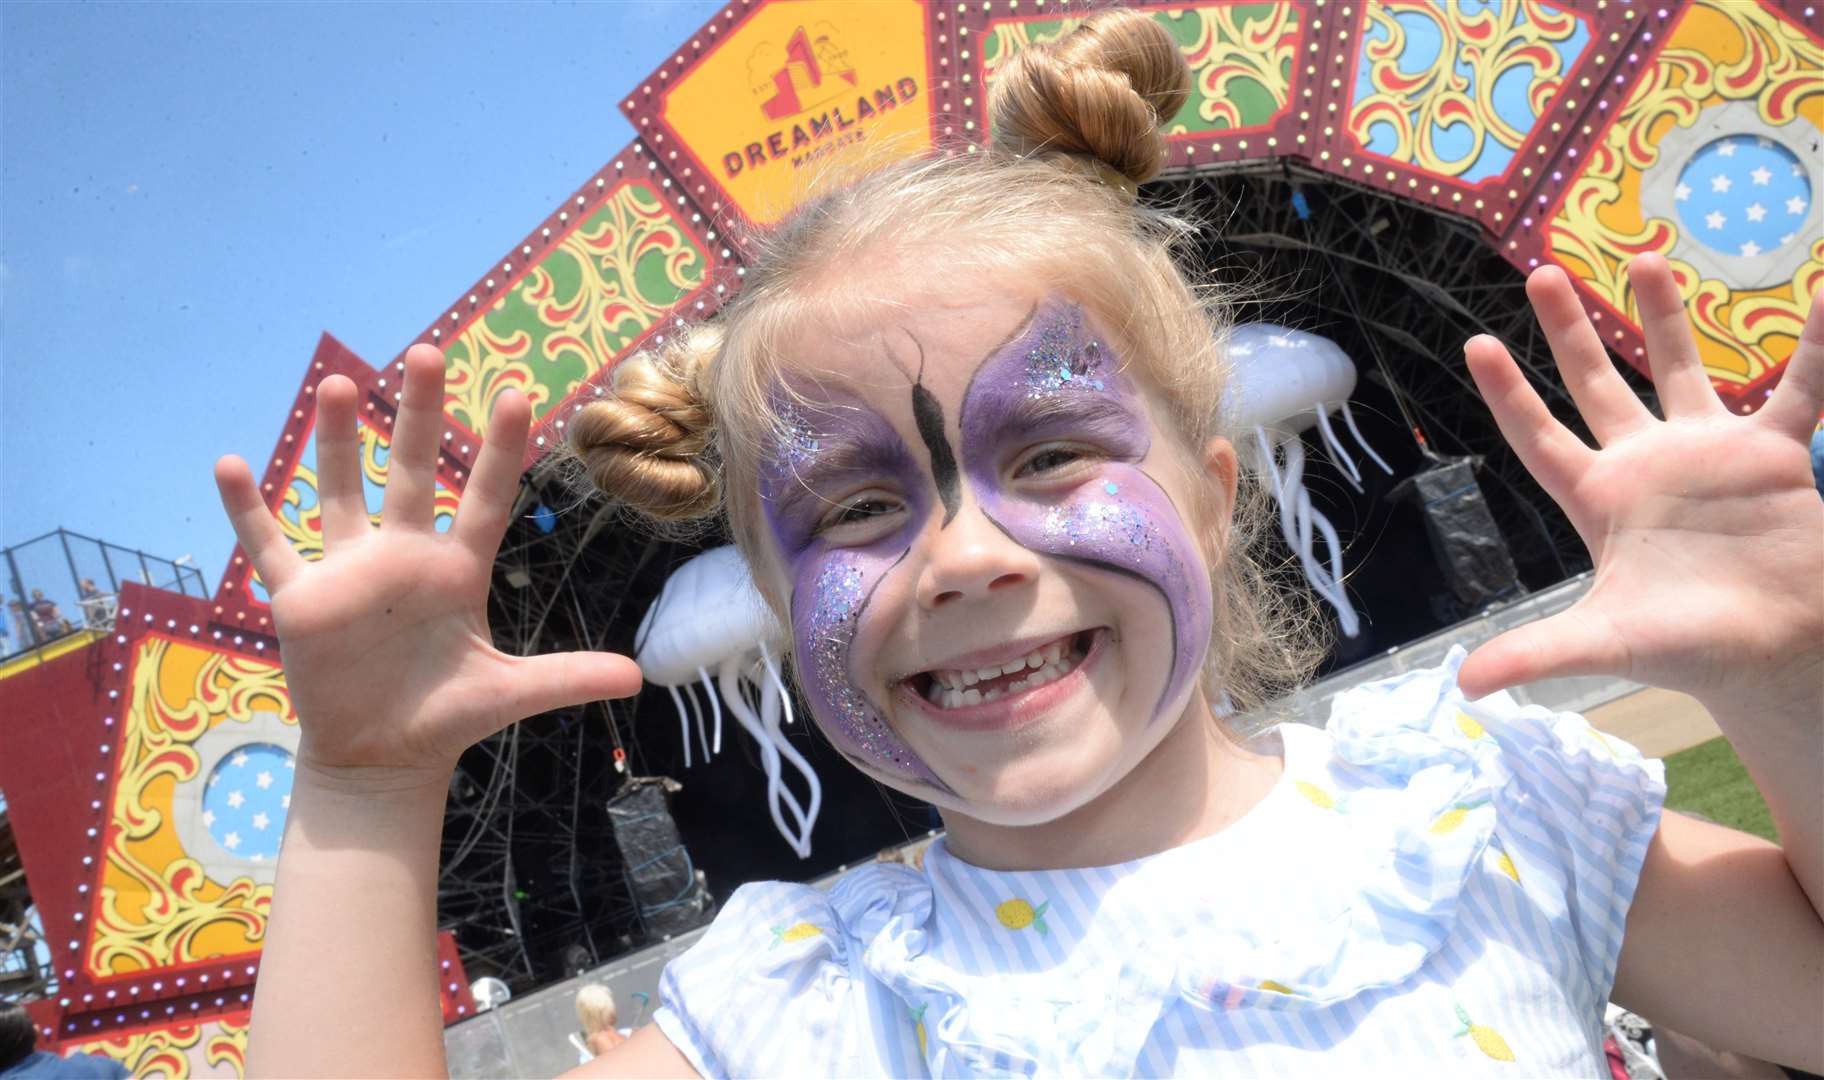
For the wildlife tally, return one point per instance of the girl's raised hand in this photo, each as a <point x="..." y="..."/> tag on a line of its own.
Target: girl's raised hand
<point x="1705" y="528"/>
<point x="385" y="641"/>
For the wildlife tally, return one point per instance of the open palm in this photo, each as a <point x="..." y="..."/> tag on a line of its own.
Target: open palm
<point x="1706" y="529"/>
<point x="385" y="640"/>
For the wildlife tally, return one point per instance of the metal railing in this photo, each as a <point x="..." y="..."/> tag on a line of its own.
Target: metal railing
<point x="64" y="583"/>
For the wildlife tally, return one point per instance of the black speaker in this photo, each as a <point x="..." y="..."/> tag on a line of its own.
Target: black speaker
<point x="1464" y="536"/>
<point x="667" y="889"/>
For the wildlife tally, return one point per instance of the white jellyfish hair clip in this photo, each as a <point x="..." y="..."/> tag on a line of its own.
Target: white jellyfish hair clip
<point x="1282" y="383"/>
<point x="710" y="619"/>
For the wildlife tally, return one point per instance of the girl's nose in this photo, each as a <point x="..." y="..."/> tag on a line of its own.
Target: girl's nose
<point x="971" y="558"/>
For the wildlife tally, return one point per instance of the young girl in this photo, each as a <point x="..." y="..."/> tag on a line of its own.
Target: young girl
<point x="965" y="421"/>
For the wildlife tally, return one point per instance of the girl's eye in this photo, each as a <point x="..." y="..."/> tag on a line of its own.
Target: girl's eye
<point x="1048" y="460"/>
<point x="858" y="510"/>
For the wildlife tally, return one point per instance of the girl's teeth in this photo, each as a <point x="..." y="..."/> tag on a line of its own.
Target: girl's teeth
<point x="1055" y="665"/>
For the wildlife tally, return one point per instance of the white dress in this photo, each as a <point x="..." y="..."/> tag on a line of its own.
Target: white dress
<point x="1432" y="888"/>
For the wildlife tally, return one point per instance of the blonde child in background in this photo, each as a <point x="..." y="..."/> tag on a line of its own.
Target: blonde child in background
<point x="595" y="1011"/>
<point x="964" y="421"/>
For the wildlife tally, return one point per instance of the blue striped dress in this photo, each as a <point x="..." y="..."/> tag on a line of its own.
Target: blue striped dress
<point x="1432" y="887"/>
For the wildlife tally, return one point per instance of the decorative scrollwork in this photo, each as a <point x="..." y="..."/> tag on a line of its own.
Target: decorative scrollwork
<point x="585" y="303"/>
<point x="1720" y="52"/>
<point x="158" y="906"/>
<point x="170" y="1053"/>
<point x="1436" y="82"/>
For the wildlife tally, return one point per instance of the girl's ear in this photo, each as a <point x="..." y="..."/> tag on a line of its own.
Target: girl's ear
<point x="1221" y="467"/>
<point x="1221" y="475"/>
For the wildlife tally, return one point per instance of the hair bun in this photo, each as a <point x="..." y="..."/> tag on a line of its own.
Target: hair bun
<point x="652" y="444"/>
<point x="1100" y="92"/>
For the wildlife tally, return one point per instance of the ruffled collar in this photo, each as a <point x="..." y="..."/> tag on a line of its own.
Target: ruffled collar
<point x="1371" y="832"/>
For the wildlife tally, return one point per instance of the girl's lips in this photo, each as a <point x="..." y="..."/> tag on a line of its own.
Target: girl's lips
<point x="1012" y="710"/>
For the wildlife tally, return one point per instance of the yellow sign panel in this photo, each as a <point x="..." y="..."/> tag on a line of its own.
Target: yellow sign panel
<point x="799" y="83"/>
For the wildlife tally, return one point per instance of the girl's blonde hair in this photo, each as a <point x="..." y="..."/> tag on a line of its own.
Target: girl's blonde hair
<point x="595" y="1009"/>
<point x="1076" y="126"/>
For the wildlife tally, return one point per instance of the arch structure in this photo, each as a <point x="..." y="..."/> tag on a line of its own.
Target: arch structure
<point x="1573" y="134"/>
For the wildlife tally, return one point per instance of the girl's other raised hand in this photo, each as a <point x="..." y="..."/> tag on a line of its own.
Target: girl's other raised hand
<point x="1706" y="528"/>
<point x="385" y="641"/>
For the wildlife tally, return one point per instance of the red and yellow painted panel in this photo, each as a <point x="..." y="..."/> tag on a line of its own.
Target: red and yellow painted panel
<point x="1720" y="54"/>
<point x="1457" y="89"/>
<point x="159" y="905"/>
<point x="766" y="95"/>
<point x="215" y="1048"/>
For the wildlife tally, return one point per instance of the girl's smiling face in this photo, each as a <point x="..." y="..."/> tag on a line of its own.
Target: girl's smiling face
<point x="977" y="524"/>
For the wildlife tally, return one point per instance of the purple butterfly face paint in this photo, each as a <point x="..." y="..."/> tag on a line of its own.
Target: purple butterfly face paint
<point x="829" y="447"/>
<point x="1059" y="381"/>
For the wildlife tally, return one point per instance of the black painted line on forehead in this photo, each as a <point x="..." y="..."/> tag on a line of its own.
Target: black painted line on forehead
<point x="1171" y="615"/>
<point x="928" y="415"/>
<point x="994" y="353"/>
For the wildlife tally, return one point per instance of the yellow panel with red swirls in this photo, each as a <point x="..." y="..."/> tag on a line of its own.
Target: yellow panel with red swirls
<point x="1713" y="160"/>
<point x="1456" y="89"/>
<point x="214" y="1048"/>
<point x="196" y="808"/>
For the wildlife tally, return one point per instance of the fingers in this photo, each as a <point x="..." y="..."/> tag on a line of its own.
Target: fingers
<point x="1548" y="450"/>
<point x="494" y="482"/>
<point x="1678" y="371"/>
<point x="1799" y="398"/>
<point x="254" y="525"/>
<point x="1571" y="642"/>
<point x="411" y="471"/>
<point x="1604" y="400"/>
<point x="559" y="680"/>
<point x="339" y="490"/>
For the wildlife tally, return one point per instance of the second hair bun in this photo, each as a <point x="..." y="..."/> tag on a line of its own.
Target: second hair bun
<point x="1101" y="91"/>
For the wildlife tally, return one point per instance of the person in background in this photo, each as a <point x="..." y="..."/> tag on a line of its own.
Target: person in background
<point x="21" y="1059"/>
<point x="595" y="1011"/>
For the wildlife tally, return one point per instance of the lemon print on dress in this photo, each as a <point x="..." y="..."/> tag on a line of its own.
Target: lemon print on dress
<point x="1487" y="1039"/>
<point x="1276" y="986"/>
<point x="1449" y="820"/>
<point x="794" y="932"/>
<point x="1504" y="862"/>
<point x="1017" y="914"/>
<point x="1468" y="726"/>
<point x="918" y="1022"/>
<point x="1317" y="795"/>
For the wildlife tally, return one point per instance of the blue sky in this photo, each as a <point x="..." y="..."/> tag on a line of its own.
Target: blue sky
<point x="191" y="193"/>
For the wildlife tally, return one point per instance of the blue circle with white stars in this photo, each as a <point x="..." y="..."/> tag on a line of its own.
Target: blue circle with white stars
<point x="246" y="799"/>
<point x="1743" y="195"/>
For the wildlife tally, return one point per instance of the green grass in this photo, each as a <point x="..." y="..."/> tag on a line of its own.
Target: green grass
<point x="1709" y="779"/>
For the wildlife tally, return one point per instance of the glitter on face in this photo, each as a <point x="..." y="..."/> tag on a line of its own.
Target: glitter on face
<point x="1119" y="519"/>
<point x="797" y="442"/>
<point x="825" y="625"/>
<point x="831" y="587"/>
<point x="1061" y="360"/>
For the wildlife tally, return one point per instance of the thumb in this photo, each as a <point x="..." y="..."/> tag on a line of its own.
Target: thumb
<point x="556" y="680"/>
<point x="1571" y="642"/>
